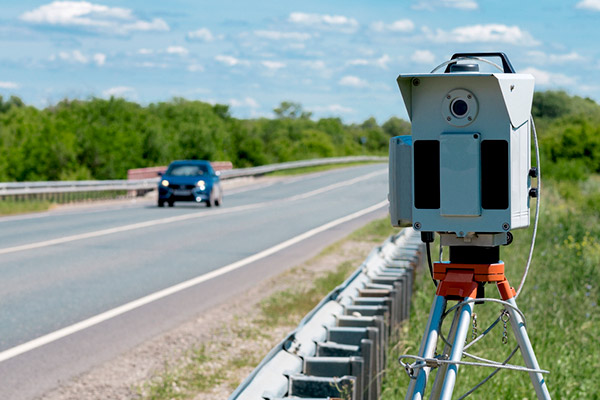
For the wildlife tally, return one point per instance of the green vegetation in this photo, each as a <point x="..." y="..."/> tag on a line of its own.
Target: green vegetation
<point x="559" y="300"/>
<point x="560" y="297"/>
<point x="11" y="207"/>
<point x="102" y="139"/>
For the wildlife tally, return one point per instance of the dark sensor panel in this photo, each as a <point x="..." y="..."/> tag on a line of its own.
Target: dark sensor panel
<point x="494" y="175"/>
<point x="427" y="174"/>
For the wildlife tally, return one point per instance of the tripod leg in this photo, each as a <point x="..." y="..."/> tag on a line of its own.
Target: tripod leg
<point x="518" y="327"/>
<point x="441" y="372"/>
<point x="458" y="345"/>
<point x="417" y="386"/>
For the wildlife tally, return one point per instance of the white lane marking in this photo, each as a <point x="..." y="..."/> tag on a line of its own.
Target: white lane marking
<point x="336" y="185"/>
<point x="123" y="228"/>
<point x="69" y="330"/>
<point x="179" y="218"/>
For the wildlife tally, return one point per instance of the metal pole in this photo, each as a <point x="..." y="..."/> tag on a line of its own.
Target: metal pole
<point x="518" y="327"/>
<point x="416" y="389"/>
<point x="458" y="345"/>
<point x="441" y="372"/>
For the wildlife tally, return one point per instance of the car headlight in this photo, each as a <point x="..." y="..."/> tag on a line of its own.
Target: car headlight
<point x="201" y="185"/>
<point x="164" y="183"/>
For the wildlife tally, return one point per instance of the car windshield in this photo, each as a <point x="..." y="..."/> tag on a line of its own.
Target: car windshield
<point x="187" y="170"/>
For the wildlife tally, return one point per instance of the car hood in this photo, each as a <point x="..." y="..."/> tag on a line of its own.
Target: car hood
<point x="188" y="180"/>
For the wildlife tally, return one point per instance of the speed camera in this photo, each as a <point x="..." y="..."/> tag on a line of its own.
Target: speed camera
<point x="466" y="168"/>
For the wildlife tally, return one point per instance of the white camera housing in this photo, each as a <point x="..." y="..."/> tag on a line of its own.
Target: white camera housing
<point x="466" y="167"/>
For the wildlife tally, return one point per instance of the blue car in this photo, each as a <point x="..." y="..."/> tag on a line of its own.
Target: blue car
<point x="190" y="180"/>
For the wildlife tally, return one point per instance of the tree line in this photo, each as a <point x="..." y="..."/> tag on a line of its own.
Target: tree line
<point x="102" y="139"/>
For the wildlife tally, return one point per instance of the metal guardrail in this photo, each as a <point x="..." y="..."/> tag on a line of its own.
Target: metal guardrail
<point x="265" y="169"/>
<point x="339" y="348"/>
<point x="26" y="189"/>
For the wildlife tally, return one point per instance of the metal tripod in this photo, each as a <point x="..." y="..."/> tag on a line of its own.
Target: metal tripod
<point x="460" y="281"/>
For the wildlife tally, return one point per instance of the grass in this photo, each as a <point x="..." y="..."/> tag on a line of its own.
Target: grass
<point x="559" y="300"/>
<point x="11" y="207"/>
<point x="318" y="168"/>
<point x="47" y="201"/>
<point x="208" y="366"/>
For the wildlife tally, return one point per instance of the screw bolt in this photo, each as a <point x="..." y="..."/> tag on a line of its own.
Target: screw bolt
<point x="505" y="226"/>
<point x="533" y="172"/>
<point x="469" y="96"/>
<point x="416" y="82"/>
<point x="448" y="118"/>
<point x="470" y="118"/>
<point x="417" y="225"/>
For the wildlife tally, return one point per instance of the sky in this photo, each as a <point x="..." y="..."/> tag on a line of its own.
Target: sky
<point x="338" y="58"/>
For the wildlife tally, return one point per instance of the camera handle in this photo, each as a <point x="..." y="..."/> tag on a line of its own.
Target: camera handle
<point x="506" y="65"/>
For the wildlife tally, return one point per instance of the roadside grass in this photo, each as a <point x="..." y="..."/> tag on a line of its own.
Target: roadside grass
<point x="12" y="207"/>
<point x="318" y="168"/>
<point x="23" y="206"/>
<point x="217" y="361"/>
<point x="559" y="300"/>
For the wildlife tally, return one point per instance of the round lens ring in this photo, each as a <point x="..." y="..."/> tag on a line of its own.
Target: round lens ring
<point x="459" y="108"/>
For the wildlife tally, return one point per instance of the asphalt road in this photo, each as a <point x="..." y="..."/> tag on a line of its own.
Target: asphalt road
<point x="78" y="287"/>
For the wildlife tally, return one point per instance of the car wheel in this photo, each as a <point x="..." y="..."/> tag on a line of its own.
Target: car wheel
<point x="171" y="203"/>
<point x="210" y="201"/>
<point x="219" y="200"/>
<point x="161" y="203"/>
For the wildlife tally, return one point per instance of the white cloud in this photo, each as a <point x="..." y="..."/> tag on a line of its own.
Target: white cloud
<point x="402" y="25"/>
<point x="273" y="65"/>
<point x="491" y="33"/>
<point x="593" y="5"/>
<point x="179" y="50"/>
<point x="9" y="85"/>
<point x="247" y="102"/>
<point x="423" y="57"/>
<point x="458" y="4"/>
<point x="74" y="56"/>
<point x="145" y="51"/>
<point x="547" y="78"/>
<point x="276" y="35"/>
<point x="77" y="57"/>
<point x="315" y="64"/>
<point x="358" y="61"/>
<point x="230" y="60"/>
<point x="201" y="34"/>
<point x="83" y="14"/>
<point x="195" y="68"/>
<point x="333" y="108"/>
<point x="148" y="64"/>
<point x="325" y="21"/>
<point x="99" y="59"/>
<point x="381" y="62"/>
<point x="543" y="58"/>
<point x="353" y="81"/>
<point x="120" y="91"/>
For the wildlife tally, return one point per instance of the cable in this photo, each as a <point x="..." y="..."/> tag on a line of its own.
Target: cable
<point x="436" y="362"/>
<point x="537" y="206"/>
<point x="490" y="376"/>
<point x="429" y="262"/>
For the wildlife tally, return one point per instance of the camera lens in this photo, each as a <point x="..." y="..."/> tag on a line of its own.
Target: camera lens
<point x="459" y="108"/>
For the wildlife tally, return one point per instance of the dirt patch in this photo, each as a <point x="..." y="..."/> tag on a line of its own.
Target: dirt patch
<point x="227" y="340"/>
